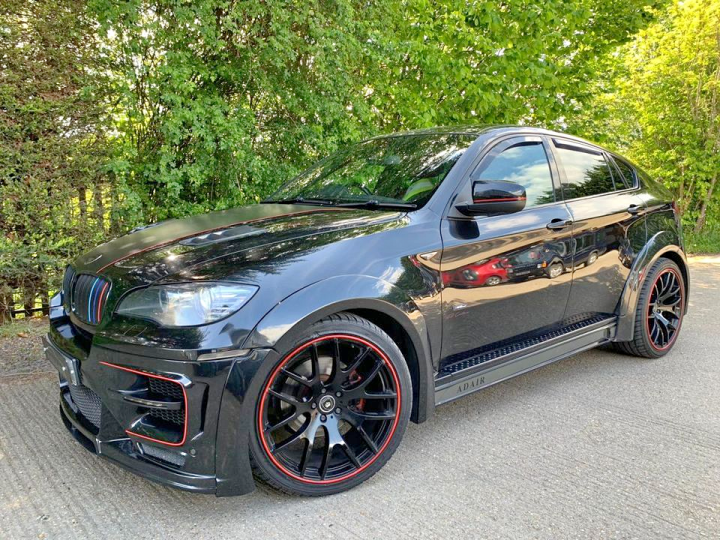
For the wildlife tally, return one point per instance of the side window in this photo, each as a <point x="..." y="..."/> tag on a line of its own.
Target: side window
<point x="586" y="171"/>
<point x="524" y="163"/>
<point x="627" y="171"/>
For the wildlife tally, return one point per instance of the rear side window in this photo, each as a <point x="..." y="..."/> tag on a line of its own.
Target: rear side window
<point x="526" y="164"/>
<point x="627" y="172"/>
<point x="586" y="171"/>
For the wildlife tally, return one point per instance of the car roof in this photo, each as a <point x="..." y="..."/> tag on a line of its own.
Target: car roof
<point x="486" y="129"/>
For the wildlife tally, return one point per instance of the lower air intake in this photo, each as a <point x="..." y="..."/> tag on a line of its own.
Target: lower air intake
<point x="88" y="402"/>
<point x="164" y="455"/>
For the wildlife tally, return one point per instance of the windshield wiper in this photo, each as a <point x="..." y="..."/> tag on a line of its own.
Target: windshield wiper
<point x="377" y="204"/>
<point x="301" y="200"/>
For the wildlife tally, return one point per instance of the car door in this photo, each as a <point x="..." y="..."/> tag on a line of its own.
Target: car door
<point x="498" y="277"/>
<point x="607" y="222"/>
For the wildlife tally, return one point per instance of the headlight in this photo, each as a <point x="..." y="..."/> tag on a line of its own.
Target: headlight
<point x="186" y="304"/>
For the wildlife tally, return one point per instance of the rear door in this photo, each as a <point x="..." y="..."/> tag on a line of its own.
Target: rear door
<point x="607" y="220"/>
<point x="497" y="271"/>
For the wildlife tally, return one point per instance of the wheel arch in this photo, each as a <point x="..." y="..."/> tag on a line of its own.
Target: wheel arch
<point x="382" y="303"/>
<point x="661" y="245"/>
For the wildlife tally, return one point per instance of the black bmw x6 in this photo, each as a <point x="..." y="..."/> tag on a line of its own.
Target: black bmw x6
<point x="293" y="340"/>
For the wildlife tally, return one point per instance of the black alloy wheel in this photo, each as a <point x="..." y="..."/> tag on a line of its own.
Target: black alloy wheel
<point x="332" y="408"/>
<point x="660" y="311"/>
<point x="664" y="311"/>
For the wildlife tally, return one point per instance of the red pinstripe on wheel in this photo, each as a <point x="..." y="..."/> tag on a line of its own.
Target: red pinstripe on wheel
<point x="288" y="359"/>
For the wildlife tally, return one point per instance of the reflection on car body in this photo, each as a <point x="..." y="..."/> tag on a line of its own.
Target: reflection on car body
<point x="484" y="273"/>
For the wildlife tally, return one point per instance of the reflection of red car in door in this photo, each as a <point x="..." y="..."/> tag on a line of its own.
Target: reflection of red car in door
<point x="491" y="272"/>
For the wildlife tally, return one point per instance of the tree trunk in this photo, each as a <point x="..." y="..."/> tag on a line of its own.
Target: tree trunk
<point x="703" y="209"/>
<point x="82" y="204"/>
<point x="6" y="307"/>
<point x="29" y="294"/>
<point x="99" y="206"/>
<point x="45" y="298"/>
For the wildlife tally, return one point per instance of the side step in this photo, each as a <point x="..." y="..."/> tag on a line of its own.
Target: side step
<point x="497" y="365"/>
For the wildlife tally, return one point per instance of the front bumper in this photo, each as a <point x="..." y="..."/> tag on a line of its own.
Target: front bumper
<point x="156" y="417"/>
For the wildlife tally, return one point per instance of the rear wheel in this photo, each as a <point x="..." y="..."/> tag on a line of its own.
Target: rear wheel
<point x="492" y="281"/>
<point x="333" y="410"/>
<point x="660" y="311"/>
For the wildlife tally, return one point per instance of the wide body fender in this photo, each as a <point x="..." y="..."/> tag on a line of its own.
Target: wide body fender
<point x="661" y="244"/>
<point x="279" y="328"/>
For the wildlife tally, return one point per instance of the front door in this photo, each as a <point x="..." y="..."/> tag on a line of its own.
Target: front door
<point x="507" y="275"/>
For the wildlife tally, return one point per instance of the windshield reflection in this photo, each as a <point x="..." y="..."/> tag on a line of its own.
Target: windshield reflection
<point x="404" y="169"/>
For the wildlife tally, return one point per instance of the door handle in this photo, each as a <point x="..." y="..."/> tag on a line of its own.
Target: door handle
<point x="558" y="224"/>
<point x="634" y="209"/>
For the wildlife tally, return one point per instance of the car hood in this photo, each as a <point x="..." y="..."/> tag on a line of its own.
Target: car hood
<point x="174" y="247"/>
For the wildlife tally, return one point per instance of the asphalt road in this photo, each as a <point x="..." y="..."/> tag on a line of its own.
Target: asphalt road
<point x="596" y="446"/>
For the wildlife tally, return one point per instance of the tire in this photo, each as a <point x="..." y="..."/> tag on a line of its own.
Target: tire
<point x="649" y="340"/>
<point x="592" y="258"/>
<point x="342" y="390"/>
<point x="555" y="270"/>
<point x="492" y="281"/>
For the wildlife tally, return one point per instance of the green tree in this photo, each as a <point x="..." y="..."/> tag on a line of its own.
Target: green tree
<point x="51" y="150"/>
<point x="453" y="61"/>
<point x="216" y="102"/>
<point x="661" y="103"/>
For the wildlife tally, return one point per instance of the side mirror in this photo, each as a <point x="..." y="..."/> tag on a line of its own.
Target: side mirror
<point x="494" y="197"/>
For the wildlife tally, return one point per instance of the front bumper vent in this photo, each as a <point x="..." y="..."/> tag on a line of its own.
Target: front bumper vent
<point x="164" y="390"/>
<point x="168" y="456"/>
<point x="87" y="402"/>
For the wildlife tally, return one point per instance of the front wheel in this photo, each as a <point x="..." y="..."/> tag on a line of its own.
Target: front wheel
<point x="333" y="410"/>
<point x="555" y="270"/>
<point x="660" y="311"/>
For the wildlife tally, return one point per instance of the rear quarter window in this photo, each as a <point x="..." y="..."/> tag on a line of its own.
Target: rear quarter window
<point x="586" y="171"/>
<point x="628" y="173"/>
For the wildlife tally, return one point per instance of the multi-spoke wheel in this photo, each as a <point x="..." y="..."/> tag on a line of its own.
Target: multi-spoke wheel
<point x="661" y="306"/>
<point x="664" y="312"/>
<point x="333" y="409"/>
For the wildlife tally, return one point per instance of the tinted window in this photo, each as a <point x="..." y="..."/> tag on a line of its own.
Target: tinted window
<point x="586" y="172"/>
<point x="525" y="164"/>
<point x="627" y="171"/>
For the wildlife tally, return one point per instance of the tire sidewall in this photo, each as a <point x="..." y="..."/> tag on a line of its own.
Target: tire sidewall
<point x="380" y="339"/>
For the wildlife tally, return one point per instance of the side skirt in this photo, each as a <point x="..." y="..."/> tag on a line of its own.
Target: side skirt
<point x="461" y="383"/>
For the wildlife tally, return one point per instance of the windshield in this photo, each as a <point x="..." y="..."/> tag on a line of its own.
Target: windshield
<point x="400" y="170"/>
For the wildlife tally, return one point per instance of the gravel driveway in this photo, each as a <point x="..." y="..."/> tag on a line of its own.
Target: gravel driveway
<point x="596" y="446"/>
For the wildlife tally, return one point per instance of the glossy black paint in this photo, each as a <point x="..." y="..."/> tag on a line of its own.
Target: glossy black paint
<point x="441" y="283"/>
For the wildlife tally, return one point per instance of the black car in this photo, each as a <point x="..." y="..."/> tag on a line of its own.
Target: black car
<point x="295" y="339"/>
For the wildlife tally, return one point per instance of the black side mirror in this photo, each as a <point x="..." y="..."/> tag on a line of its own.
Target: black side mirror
<point x="494" y="197"/>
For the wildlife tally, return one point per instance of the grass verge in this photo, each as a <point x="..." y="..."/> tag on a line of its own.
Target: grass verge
<point x="704" y="242"/>
<point x="31" y="327"/>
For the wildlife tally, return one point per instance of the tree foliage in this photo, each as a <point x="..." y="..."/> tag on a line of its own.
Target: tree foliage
<point x="660" y="102"/>
<point x="52" y="146"/>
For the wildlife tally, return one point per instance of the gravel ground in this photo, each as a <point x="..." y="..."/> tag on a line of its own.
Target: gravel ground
<point x="23" y="353"/>
<point x="596" y="446"/>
